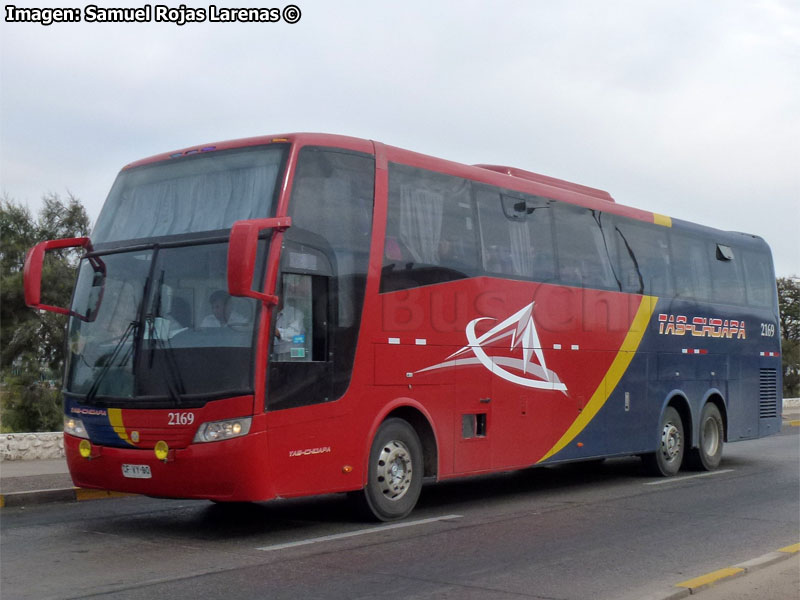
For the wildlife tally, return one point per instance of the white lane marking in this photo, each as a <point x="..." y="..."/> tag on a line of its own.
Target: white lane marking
<point x="349" y="534"/>
<point x="677" y="479"/>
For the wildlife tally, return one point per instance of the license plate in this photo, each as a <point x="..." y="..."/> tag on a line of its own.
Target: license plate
<point x="136" y="471"/>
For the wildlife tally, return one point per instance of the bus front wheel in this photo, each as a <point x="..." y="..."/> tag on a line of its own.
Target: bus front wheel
<point x="666" y="461"/>
<point x="394" y="477"/>
<point x="707" y="456"/>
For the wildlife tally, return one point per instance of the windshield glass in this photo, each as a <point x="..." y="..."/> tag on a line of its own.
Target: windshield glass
<point x="158" y="325"/>
<point x="207" y="191"/>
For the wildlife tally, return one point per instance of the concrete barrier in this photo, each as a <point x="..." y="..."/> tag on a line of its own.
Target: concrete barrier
<point x="31" y="446"/>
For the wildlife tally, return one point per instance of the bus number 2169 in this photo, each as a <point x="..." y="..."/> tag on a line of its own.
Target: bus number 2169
<point x="181" y="418"/>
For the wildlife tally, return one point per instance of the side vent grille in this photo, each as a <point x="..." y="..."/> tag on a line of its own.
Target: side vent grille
<point x="768" y="394"/>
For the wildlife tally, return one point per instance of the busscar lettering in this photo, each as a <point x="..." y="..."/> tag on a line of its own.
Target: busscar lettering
<point x="43" y="16"/>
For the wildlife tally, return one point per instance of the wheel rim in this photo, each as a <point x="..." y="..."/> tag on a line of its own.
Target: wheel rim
<point x="710" y="437"/>
<point x="395" y="470"/>
<point x="671" y="442"/>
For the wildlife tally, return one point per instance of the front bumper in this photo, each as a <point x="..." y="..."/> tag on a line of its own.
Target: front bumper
<point x="235" y="470"/>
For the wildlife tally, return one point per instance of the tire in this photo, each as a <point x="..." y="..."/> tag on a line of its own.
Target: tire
<point x="394" y="474"/>
<point x="708" y="454"/>
<point x="666" y="461"/>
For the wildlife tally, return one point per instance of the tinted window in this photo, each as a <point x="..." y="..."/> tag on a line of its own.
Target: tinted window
<point x="690" y="267"/>
<point x="325" y="264"/>
<point x="430" y="231"/>
<point x="759" y="277"/>
<point x="516" y="234"/>
<point x="582" y="256"/>
<point x="642" y="257"/>
<point x="203" y="192"/>
<point x="727" y="281"/>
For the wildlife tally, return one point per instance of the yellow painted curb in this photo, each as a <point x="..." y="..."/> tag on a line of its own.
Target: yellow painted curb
<point x="710" y="578"/>
<point x="87" y="494"/>
<point x="794" y="423"/>
<point x="794" y="548"/>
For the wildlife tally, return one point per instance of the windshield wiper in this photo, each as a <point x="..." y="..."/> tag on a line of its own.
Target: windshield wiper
<point x="174" y="381"/>
<point x="132" y="327"/>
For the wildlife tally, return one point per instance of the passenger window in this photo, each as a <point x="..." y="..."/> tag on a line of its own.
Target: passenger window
<point x="582" y="256"/>
<point x="759" y="277"/>
<point x="431" y="234"/>
<point x="642" y="257"/>
<point x="727" y="281"/>
<point x="516" y="234"/>
<point x="690" y="267"/>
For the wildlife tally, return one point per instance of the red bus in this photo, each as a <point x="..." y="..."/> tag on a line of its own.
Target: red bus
<point x="309" y="314"/>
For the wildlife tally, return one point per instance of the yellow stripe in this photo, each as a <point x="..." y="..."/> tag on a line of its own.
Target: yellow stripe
<point x="612" y="377"/>
<point x="662" y="220"/>
<point x="793" y="549"/>
<point x="794" y="423"/>
<point x="2" y="501"/>
<point x="115" y="418"/>
<point x="82" y="494"/>
<point x="710" y="578"/>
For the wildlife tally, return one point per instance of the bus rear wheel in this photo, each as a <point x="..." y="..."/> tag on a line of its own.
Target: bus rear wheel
<point x="708" y="455"/>
<point x="666" y="461"/>
<point x="394" y="477"/>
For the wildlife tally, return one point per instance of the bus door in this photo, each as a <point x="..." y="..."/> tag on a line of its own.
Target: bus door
<point x="300" y="366"/>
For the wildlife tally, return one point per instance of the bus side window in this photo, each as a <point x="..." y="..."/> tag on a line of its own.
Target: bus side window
<point x="758" y="276"/>
<point x="582" y="256"/>
<point x="727" y="282"/>
<point x="294" y="323"/>
<point x="690" y="267"/>
<point x="516" y="234"/>
<point x="431" y="235"/>
<point x="643" y="256"/>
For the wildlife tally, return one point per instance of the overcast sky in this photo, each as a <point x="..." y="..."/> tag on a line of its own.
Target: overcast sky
<point x="684" y="107"/>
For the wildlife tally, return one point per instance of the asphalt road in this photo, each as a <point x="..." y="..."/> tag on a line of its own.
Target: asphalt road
<point x="572" y="532"/>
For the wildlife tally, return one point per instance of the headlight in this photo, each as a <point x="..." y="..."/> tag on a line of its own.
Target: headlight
<point x="75" y="427"/>
<point x="223" y="430"/>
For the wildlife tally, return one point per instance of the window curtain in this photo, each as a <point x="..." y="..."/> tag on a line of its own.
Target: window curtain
<point x="421" y="223"/>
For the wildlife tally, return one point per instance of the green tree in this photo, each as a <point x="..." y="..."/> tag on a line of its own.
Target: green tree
<point x="32" y="350"/>
<point x="789" y="303"/>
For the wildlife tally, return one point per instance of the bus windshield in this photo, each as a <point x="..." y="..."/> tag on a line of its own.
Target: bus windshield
<point x="198" y="193"/>
<point x="158" y="325"/>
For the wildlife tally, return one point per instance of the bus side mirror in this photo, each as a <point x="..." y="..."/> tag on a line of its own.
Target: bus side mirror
<point x="32" y="272"/>
<point x="242" y="251"/>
